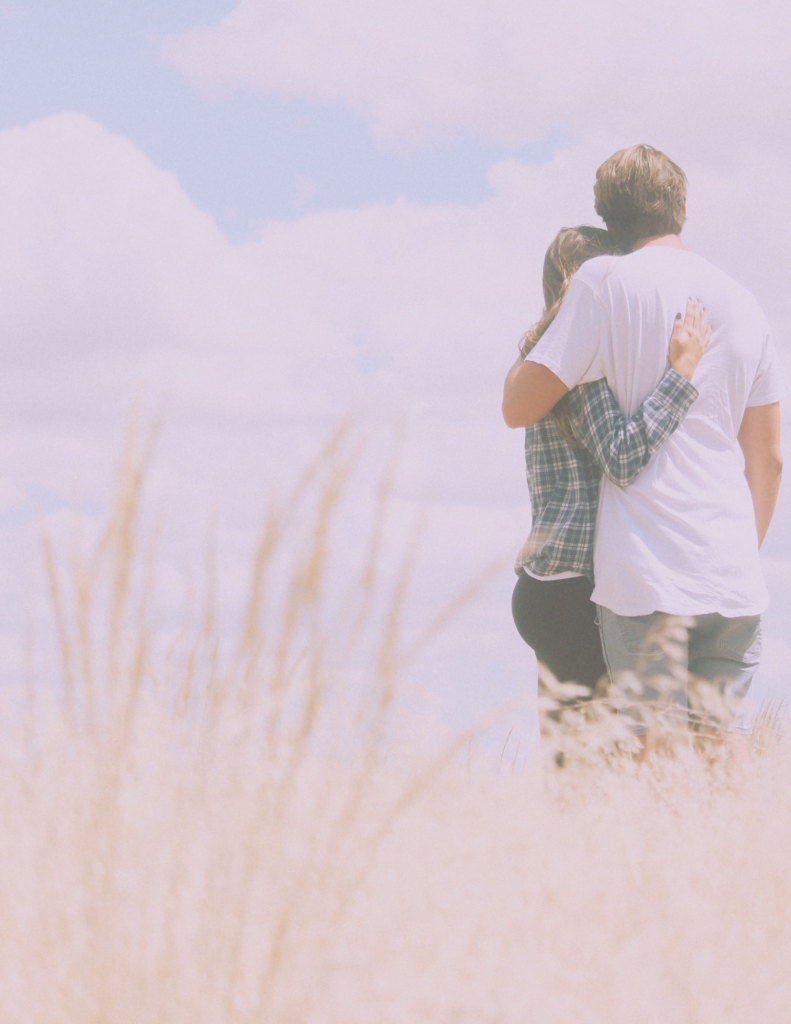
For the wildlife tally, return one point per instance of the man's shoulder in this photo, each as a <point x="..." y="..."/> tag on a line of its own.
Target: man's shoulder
<point x="664" y="259"/>
<point x="717" y="275"/>
<point x="657" y="267"/>
<point x="731" y="297"/>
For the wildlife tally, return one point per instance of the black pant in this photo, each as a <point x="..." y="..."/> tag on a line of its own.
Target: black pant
<point x="558" y="620"/>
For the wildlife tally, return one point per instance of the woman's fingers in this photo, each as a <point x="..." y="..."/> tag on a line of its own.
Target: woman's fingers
<point x="703" y="322"/>
<point x="691" y="335"/>
<point x="696" y="315"/>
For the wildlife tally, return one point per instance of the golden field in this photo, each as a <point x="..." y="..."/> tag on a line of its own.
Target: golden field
<point x="224" y="833"/>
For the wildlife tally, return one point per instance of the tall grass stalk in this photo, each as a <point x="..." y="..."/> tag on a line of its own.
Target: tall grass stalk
<point x="210" y="830"/>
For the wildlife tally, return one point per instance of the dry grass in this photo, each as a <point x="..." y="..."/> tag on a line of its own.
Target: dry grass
<point x="210" y="833"/>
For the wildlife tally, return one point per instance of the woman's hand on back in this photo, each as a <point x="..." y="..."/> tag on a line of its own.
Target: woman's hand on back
<point x="689" y="340"/>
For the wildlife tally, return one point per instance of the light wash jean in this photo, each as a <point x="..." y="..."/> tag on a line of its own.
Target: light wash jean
<point x="681" y="669"/>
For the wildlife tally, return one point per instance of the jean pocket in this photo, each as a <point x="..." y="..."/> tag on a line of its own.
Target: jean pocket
<point x="640" y="634"/>
<point x="741" y="639"/>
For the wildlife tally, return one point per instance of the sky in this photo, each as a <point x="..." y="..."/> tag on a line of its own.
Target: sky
<point x="265" y="217"/>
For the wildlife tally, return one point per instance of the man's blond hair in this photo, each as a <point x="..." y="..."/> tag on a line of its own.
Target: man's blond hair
<point x="640" y="193"/>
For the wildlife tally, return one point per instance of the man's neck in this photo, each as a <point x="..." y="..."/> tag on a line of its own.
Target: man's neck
<point x="674" y="241"/>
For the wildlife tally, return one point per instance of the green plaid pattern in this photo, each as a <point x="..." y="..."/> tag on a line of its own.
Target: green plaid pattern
<point x="564" y="479"/>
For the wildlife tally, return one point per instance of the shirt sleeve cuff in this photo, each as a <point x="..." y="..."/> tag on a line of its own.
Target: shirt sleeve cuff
<point x="675" y="391"/>
<point x="767" y="399"/>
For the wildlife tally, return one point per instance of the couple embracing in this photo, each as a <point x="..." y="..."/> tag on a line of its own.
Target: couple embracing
<point x="653" y="458"/>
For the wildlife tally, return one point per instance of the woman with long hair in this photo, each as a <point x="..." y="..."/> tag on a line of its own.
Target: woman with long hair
<point x="585" y="435"/>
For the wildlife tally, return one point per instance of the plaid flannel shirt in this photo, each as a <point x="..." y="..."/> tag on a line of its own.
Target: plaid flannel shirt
<point x="564" y="478"/>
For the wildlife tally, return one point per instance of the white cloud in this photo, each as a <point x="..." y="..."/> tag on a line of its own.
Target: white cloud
<point x="709" y="78"/>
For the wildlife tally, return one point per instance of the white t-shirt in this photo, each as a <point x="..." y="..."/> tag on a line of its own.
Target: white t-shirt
<point x="682" y="538"/>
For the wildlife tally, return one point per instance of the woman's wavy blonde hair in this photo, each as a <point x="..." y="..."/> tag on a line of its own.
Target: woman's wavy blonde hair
<point x="569" y="250"/>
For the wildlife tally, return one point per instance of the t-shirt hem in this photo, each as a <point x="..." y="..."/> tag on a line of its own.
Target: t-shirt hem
<point x="756" y="403"/>
<point x="629" y="610"/>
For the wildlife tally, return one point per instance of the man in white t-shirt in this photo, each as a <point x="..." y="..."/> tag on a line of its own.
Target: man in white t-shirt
<point x="679" y="547"/>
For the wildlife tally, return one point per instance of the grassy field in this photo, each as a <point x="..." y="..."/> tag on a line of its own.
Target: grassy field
<point x="223" y="832"/>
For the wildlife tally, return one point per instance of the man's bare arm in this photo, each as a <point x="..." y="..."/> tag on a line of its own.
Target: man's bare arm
<point x="530" y="391"/>
<point x="759" y="438"/>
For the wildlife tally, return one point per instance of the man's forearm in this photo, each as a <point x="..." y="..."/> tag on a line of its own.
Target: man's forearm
<point x="759" y="439"/>
<point x="764" y="483"/>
